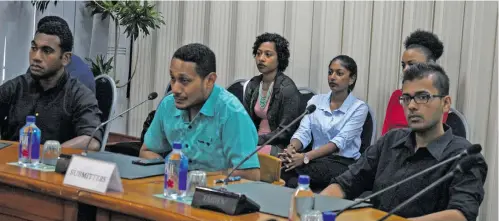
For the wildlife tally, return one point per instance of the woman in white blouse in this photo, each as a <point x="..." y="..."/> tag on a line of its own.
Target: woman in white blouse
<point x="335" y="127"/>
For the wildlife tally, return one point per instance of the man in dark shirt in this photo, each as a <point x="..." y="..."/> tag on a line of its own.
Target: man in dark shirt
<point x="76" y="68"/>
<point x="404" y="152"/>
<point x="65" y="109"/>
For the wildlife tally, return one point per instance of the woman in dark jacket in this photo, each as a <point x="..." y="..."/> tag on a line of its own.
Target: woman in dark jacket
<point x="271" y="98"/>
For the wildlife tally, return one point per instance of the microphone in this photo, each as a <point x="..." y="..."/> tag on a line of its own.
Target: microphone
<point x="310" y="109"/>
<point x="471" y="150"/>
<point x="234" y="203"/>
<point x="151" y="96"/>
<point x="462" y="167"/>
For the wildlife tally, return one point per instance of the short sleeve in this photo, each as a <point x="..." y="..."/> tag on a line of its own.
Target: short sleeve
<point x="360" y="176"/>
<point x="239" y="139"/>
<point x="466" y="189"/>
<point x="155" y="137"/>
<point x="86" y="114"/>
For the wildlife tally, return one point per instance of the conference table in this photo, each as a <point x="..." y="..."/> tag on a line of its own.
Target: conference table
<point x="27" y="194"/>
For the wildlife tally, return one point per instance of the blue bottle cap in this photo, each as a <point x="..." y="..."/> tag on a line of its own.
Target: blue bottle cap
<point x="328" y="216"/>
<point x="30" y="118"/>
<point x="304" y="180"/>
<point x="177" y="145"/>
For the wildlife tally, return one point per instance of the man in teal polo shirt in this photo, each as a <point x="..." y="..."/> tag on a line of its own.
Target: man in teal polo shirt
<point x="215" y="130"/>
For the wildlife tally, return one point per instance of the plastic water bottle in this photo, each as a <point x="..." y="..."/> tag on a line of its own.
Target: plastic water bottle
<point x="176" y="166"/>
<point x="29" y="143"/>
<point x="302" y="201"/>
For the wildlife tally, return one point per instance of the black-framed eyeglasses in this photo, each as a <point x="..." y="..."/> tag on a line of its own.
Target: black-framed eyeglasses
<point x="418" y="98"/>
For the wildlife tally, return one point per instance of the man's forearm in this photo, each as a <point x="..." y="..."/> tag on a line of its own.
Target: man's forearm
<point x="249" y="174"/>
<point x="81" y="142"/>
<point x="147" y="154"/>
<point x="446" y="215"/>
<point x="333" y="190"/>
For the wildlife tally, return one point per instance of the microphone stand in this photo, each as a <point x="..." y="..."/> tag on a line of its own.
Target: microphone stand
<point x="63" y="160"/>
<point x="476" y="148"/>
<point x="309" y="110"/>
<point x="461" y="168"/>
<point x="106" y="122"/>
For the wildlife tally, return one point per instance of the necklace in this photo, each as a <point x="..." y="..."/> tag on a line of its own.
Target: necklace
<point x="264" y="99"/>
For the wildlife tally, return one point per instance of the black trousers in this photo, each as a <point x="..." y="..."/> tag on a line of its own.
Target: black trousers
<point x="320" y="170"/>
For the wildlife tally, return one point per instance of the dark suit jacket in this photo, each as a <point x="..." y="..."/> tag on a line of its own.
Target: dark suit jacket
<point x="283" y="108"/>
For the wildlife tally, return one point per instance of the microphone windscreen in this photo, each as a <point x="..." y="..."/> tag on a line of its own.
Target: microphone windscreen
<point x="466" y="163"/>
<point x="474" y="149"/>
<point x="311" y="108"/>
<point x="152" y="96"/>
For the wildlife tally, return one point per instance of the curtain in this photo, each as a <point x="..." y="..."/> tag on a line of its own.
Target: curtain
<point x="370" y="32"/>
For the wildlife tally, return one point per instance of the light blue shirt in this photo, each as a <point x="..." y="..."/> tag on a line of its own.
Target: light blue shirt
<point x="220" y="137"/>
<point x="342" y="126"/>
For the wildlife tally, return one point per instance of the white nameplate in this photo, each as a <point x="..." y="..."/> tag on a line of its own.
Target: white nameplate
<point x="95" y="175"/>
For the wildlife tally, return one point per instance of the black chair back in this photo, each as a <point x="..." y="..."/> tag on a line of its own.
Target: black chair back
<point x="168" y="89"/>
<point x="458" y="123"/>
<point x="306" y="95"/>
<point x="105" y="92"/>
<point x="132" y="148"/>
<point x="237" y="89"/>
<point x="367" y="133"/>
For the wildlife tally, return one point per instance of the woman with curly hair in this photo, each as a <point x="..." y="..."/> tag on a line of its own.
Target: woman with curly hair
<point x="420" y="47"/>
<point x="271" y="98"/>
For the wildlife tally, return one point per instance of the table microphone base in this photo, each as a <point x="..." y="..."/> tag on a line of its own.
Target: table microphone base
<point x="62" y="163"/>
<point x="223" y="201"/>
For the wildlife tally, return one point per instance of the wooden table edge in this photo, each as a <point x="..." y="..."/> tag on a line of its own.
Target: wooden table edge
<point x="104" y="201"/>
<point x="57" y="190"/>
<point x="131" y="208"/>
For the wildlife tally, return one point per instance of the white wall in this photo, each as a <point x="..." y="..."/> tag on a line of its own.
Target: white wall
<point x="13" y="16"/>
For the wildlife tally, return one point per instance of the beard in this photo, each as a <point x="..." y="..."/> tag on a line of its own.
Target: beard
<point x="428" y="127"/>
<point x="43" y="75"/>
<point x="195" y="103"/>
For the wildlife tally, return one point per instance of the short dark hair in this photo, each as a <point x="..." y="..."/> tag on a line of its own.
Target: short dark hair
<point x="424" y="70"/>
<point x="427" y="42"/>
<point x="51" y="18"/>
<point x="348" y="63"/>
<point x="281" y="47"/>
<point x="59" y="30"/>
<point x="201" y="55"/>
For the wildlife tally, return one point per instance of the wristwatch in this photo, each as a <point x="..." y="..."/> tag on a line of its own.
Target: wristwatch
<point x="305" y="158"/>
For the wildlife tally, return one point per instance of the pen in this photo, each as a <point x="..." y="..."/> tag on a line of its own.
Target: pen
<point x="231" y="179"/>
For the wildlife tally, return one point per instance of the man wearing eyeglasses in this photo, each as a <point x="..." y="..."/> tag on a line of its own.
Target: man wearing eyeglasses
<point x="404" y="152"/>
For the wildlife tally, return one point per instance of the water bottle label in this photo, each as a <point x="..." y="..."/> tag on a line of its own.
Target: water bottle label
<point x="182" y="181"/>
<point x="170" y="184"/>
<point x="24" y="146"/>
<point x="166" y="183"/>
<point x="35" y="146"/>
<point x="171" y="179"/>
